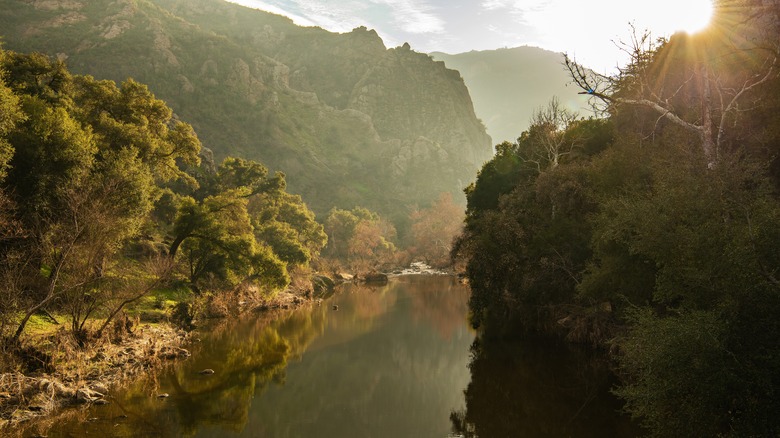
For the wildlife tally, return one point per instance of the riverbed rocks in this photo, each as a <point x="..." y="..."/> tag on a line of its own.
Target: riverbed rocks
<point x="170" y="352"/>
<point x="421" y="268"/>
<point x="343" y="276"/>
<point x="322" y="284"/>
<point x="375" y="278"/>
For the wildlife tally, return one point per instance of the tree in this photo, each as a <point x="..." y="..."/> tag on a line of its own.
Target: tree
<point x="434" y="229"/>
<point x="702" y="78"/>
<point x="497" y="177"/>
<point x="284" y="222"/>
<point x="359" y="238"/>
<point x="240" y="225"/>
<point x="10" y="115"/>
<point x="526" y="237"/>
<point x="131" y="117"/>
<point x="81" y="182"/>
<point x="547" y="135"/>
<point x="370" y="246"/>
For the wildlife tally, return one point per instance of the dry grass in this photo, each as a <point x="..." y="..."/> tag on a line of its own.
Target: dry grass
<point x="80" y="372"/>
<point x="85" y="375"/>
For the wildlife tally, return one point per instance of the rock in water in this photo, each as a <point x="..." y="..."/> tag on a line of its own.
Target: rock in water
<point x="376" y="277"/>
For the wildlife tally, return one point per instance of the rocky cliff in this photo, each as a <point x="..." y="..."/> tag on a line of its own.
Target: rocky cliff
<point x="349" y="121"/>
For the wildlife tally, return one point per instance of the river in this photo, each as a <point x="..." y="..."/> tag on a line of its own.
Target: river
<point x="397" y="360"/>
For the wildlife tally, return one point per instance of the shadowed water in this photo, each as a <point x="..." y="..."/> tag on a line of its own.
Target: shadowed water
<point x="392" y="361"/>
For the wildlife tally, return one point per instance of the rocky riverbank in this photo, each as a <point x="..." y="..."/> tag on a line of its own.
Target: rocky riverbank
<point x="84" y="376"/>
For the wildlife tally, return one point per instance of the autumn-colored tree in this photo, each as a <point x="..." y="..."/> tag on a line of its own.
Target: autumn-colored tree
<point x="370" y="247"/>
<point x="434" y="229"/>
<point x="359" y="239"/>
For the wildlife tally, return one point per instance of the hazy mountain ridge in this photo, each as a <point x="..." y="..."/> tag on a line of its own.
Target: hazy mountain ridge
<point x="349" y="121"/>
<point x="508" y="85"/>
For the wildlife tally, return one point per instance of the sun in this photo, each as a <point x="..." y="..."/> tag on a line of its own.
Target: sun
<point x="688" y="16"/>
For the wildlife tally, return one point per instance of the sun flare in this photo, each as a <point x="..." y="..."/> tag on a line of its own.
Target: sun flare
<point x="689" y="16"/>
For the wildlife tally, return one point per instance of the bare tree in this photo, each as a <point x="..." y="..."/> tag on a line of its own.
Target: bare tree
<point x="549" y="126"/>
<point x="638" y="84"/>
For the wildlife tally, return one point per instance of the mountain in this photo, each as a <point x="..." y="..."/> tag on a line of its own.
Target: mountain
<point x="508" y="85"/>
<point x="349" y="121"/>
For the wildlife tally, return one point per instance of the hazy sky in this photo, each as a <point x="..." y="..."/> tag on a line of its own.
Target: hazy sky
<point x="582" y="28"/>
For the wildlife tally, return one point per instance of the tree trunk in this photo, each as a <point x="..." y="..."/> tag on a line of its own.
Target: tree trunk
<point x="707" y="140"/>
<point x="175" y="245"/>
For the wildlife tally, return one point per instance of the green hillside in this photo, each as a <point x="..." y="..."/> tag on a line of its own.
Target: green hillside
<point x="349" y="121"/>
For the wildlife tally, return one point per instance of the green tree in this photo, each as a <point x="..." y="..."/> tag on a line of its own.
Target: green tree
<point x="241" y="225"/>
<point x="79" y="192"/>
<point x="284" y="222"/>
<point x="359" y="238"/>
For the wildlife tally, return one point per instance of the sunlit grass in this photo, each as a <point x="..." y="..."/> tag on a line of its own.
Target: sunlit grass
<point x="156" y="305"/>
<point x="151" y="309"/>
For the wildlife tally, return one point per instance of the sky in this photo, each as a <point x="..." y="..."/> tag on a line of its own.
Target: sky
<point x="587" y="30"/>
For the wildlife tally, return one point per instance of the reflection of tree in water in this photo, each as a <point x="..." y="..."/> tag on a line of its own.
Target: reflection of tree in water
<point x="224" y="398"/>
<point x="441" y="303"/>
<point x="398" y="379"/>
<point x="538" y="388"/>
<point x="366" y="302"/>
<point x="382" y="369"/>
<point x="246" y="357"/>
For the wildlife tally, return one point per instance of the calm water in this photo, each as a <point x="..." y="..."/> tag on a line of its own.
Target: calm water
<point x="392" y="361"/>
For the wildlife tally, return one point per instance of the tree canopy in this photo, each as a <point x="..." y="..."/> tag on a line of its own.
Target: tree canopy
<point x="655" y="230"/>
<point x="98" y="180"/>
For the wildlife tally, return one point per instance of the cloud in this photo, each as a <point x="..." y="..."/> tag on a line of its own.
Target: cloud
<point x="584" y="29"/>
<point x="334" y="15"/>
<point x="256" y="4"/>
<point x="413" y="16"/>
<point x="492" y="5"/>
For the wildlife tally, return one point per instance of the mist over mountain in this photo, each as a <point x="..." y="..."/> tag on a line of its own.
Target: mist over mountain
<point x="508" y="85"/>
<point x="349" y="121"/>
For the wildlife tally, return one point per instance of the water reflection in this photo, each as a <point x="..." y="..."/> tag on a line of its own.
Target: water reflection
<point x="539" y="388"/>
<point x="386" y="372"/>
<point x="392" y="361"/>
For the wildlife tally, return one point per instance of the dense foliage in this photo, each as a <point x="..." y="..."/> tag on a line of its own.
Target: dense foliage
<point x="360" y="239"/>
<point x="104" y="196"/>
<point x="656" y="228"/>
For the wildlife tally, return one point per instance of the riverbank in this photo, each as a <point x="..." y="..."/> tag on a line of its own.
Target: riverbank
<point x="84" y="376"/>
<point x="74" y="376"/>
<point x="71" y="376"/>
<point x="294" y="371"/>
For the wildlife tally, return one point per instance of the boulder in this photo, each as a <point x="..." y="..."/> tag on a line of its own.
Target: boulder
<point x="376" y="277"/>
<point x="343" y="276"/>
<point x="321" y="283"/>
